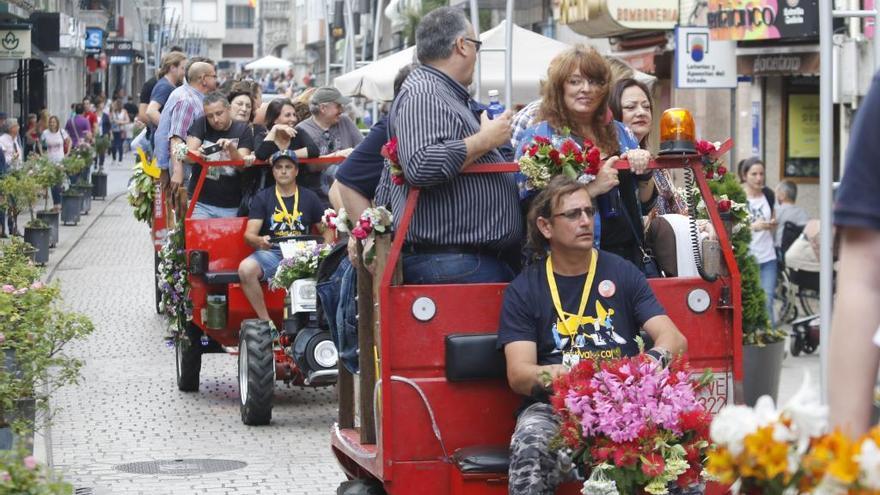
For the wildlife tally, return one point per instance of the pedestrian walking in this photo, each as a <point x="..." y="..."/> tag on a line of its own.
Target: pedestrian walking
<point x="56" y="143"/>
<point x="119" y="120"/>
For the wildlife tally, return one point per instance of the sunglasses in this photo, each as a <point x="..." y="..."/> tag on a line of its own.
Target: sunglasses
<point x="575" y="213"/>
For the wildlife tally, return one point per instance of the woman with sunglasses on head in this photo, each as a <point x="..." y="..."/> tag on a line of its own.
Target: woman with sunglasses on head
<point x="575" y="97"/>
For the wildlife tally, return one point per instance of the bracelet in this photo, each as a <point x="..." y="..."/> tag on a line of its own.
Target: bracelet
<point x="659" y="354"/>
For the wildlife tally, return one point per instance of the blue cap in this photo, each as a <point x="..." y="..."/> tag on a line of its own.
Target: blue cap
<point x="283" y="154"/>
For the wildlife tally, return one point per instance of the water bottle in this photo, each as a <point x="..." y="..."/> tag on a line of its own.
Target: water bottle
<point x="495" y="107"/>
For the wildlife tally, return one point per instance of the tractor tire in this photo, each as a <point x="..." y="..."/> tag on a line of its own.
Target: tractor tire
<point x="156" y="281"/>
<point x="797" y="345"/>
<point x="188" y="359"/>
<point x="360" y="487"/>
<point x="256" y="372"/>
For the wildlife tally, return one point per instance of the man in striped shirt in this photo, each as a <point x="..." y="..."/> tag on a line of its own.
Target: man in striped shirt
<point x="465" y="227"/>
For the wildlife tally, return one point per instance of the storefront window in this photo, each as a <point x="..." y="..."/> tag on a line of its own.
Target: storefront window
<point x="801" y="130"/>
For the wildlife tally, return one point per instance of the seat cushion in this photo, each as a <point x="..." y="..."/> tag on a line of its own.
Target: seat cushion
<point x="473" y="356"/>
<point x="482" y="459"/>
<point x="221" y="278"/>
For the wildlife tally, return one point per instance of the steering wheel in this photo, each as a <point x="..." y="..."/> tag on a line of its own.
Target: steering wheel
<point x="308" y="237"/>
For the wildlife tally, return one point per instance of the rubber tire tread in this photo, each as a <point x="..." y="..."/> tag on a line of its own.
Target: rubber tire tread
<point x="190" y="365"/>
<point x="797" y="345"/>
<point x="256" y="340"/>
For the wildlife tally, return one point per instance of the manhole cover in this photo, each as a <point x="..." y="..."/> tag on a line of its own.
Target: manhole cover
<point x="181" y="467"/>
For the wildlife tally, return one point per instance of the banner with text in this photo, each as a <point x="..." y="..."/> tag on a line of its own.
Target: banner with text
<point x="701" y="62"/>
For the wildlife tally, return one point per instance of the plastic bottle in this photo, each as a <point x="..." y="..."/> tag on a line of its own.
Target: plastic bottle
<point x="495" y="107"/>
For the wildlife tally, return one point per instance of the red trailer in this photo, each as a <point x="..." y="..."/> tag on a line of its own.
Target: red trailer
<point x="442" y="415"/>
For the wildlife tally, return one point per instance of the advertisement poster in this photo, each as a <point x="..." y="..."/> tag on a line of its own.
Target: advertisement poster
<point x="803" y="126"/>
<point x="763" y="19"/>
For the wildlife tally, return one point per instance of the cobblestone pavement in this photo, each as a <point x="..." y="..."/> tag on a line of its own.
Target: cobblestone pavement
<point x="128" y="409"/>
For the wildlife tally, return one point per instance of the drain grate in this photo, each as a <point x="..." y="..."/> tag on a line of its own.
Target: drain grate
<point x="181" y="467"/>
<point x="83" y="491"/>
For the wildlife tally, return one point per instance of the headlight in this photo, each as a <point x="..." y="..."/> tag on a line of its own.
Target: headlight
<point x="306" y="292"/>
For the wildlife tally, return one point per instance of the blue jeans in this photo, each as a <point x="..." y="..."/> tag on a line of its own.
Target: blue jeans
<point x="454" y="268"/>
<point x="337" y="295"/>
<point x="268" y="259"/>
<point x="768" y="283"/>
<point x="203" y="210"/>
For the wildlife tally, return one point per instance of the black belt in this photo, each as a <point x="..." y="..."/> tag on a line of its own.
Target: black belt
<point x="411" y="248"/>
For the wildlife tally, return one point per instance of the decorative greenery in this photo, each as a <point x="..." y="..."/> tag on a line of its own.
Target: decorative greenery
<point x="173" y="282"/>
<point x="35" y="330"/>
<point x="73" y="164"/>
<point x="141" y="194"/>
<point x="303" y="264"/>
<point x="47" y="173"/>
<point x="20" y="473"/>
<point x="102" y="144"/>
<point x="20" y="190"/>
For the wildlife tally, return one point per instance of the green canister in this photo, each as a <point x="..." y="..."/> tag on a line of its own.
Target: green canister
<point x="216" y="314"/>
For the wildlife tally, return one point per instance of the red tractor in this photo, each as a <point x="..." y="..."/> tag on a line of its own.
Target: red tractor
<point x="442" y="414"/>
<point x="223" y="321"/>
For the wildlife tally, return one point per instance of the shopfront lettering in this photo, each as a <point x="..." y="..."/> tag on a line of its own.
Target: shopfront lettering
<point x="793" y="15"/>
<point x="748" y="17"/>
<point x="779" y="63"/>
<point x="573" y="11"/>
<point x="647" y="15"/>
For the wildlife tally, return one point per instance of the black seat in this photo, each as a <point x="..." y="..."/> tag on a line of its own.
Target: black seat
<point x="482" y="459"/>
<point x="473" y="356"/>
<point x="221" y="278"/>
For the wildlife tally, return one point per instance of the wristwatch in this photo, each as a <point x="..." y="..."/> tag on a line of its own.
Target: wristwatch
<point x="661" y="355"/>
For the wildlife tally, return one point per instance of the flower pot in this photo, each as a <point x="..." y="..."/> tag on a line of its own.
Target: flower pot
<point x="51" y="218"/>
<point x="39" y="238"/>
<point x="99" y="185"/>
<point x="24" y="409"/>
<point x="85" y="191"/>
<point x="71" y="205"/>
<point x="762" y="367"/>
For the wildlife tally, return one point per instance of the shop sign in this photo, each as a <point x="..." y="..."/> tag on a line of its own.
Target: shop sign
<point x="701" y="62"/>
<point x="779" y="65"/>
<point x="94" y="40"/>
<point x="73" y="33"/>
<point x="15" y="42"/>
<point x="763" y="19"/>
<point x="613" y="17"/>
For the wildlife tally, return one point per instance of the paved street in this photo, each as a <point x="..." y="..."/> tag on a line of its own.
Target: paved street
<point x="128" y="409"/>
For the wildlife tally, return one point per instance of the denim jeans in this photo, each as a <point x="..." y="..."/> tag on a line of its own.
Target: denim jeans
<point x="454" y="268"/>
<point x="203" y="210"/>
<point x="337" y="296"/>
<point x="768" y="283"/>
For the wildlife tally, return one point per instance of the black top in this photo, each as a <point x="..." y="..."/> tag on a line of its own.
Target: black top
<point x="305" y="178"/>
<point x="858" y="204"/>
<point x="147" y="90"/>
<point x="223" y="184"/>
<point x="264" y="206"/>
<point x="363" y="167"/>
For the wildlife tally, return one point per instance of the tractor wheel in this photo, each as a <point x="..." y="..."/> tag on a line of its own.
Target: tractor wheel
<point x="256" y="372"/>
<point x="189" y="359"/>
<point x="321" y="352"/>
<point x="797" y="345"/>
<point x="360" y="487"/>
<point x="156" y="281"/>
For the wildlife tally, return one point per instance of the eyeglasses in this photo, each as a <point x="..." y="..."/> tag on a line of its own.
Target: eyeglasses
<point x="477" y="43"/>
<point x="575" y="213"/>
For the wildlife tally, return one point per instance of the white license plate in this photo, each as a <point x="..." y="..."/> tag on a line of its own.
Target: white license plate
<point x="718" y="392"/>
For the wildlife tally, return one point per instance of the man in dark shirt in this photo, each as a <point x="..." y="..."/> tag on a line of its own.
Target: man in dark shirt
<point x="221" y="192"/>
<point x="282" y="210"/>
<point x="854" y="348"/>
<point x="464" y="225"/>
<point x="171" y="76"/>
<point x="576" y="304"/>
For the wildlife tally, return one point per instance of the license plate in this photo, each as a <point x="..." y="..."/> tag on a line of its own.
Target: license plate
<point x="718" y="392"/>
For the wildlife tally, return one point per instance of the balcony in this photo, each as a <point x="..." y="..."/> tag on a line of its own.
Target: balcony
<point x="276" y="9"/>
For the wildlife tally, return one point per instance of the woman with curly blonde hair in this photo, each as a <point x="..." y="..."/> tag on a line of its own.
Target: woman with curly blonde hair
<point x="575" y="98"/>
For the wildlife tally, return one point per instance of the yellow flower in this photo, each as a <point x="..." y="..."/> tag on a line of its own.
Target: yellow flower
<point x="769" y="457"/>
<point x="836" y="453"/>
<point x="722" y="465"/>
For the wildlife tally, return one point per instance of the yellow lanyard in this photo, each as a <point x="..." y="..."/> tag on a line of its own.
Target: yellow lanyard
<point x="554" y="291"/>
<point x="290" y="219"/>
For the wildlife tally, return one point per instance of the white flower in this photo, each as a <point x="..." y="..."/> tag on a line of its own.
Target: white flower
<point x="731" y="425"/>
<point x="869" y="464"/>
<point x="808" y="417"/>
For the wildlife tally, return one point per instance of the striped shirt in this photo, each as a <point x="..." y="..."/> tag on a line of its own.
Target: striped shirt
<point x="182" y="108"/>
<point x="431" y="117"/>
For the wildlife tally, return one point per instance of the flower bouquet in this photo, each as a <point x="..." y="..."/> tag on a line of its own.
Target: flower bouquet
<point x="389" y="152"/>
<point x="543" y="158"/>
<point x="142" y="188"/>
<point x="302" y="264"/>
<point x="762" y="450"/>
<point x="633" y="424"/>
<point x="372" y="221"/>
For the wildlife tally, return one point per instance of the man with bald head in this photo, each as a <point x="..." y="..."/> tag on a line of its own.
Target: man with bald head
<point x="184" y="106"/>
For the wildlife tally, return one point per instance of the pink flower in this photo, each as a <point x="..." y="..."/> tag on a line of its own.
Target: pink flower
<point x="705" y="147"/>
<point x="30" y="462"/>
<point x="4" y="476"/>
<point x="2" y="338"/>
<point x="9" y="289"/>
<point x="37" y="285"/>
<point x="358" y="233"/>
<point x="366" y="225"/>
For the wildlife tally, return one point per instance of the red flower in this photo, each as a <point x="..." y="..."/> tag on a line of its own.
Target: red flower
<point x="710" y="174"/>
<point x="533" y="150"/>
<point x="588" y="144"/>
<point x="568" y="147"/>
<point x="554" y="157"/>
<point x="389" y="150"/>
<point x="358" y="233"/>
<point x="625" y="454"/>
<point x="722" y="171"/>
<point x="366" y="225"/>
<point x="541" y="140"/>
<point x="578" y="157"/>
<point x="724" y="205"/>
<point x="593" y="157"/>
<point x="397" y="180"/>
<point x="705" y="147"/>
<point x="653" y="465"/>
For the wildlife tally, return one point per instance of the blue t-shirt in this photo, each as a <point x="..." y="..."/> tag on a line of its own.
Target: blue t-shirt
<point x="161" y="91"/>
<point x="264" y="206"/>
<point x="363" y="167"/>
<point x="620" y="302"/>
<point x="858" y="203"/>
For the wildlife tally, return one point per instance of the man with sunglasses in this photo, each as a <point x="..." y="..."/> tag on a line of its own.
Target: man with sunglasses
<point x="467" y="228"/>
<point x="575" y="303"/>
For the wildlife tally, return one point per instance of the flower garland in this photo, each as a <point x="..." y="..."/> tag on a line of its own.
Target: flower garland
<point x="142" y="189"/>
<point x="543" y="158"/>
<point x="713" y="167"/>
<point x="372" y="221"/>
<point x="389" y="152"/>
<point x="173" y="282"/>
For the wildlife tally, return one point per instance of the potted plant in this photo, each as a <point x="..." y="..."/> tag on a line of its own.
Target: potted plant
<point x="99" y="178"/>
<point x="23" y="474"/>
<point x="48" y="175"/>
<point x="71" y="199"/>
<point x="763" y="346"/>
<point x="35" y="330"/>
<point x="85" y="191"/>
<point x="21" y="190"/>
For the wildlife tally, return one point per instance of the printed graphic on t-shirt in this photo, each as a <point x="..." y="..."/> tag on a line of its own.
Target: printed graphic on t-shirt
<point x="283" y="225"/>
<point x="588" y="337"/>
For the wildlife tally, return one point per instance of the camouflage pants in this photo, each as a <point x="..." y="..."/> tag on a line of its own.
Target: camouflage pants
<point x="535" y="469"/>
